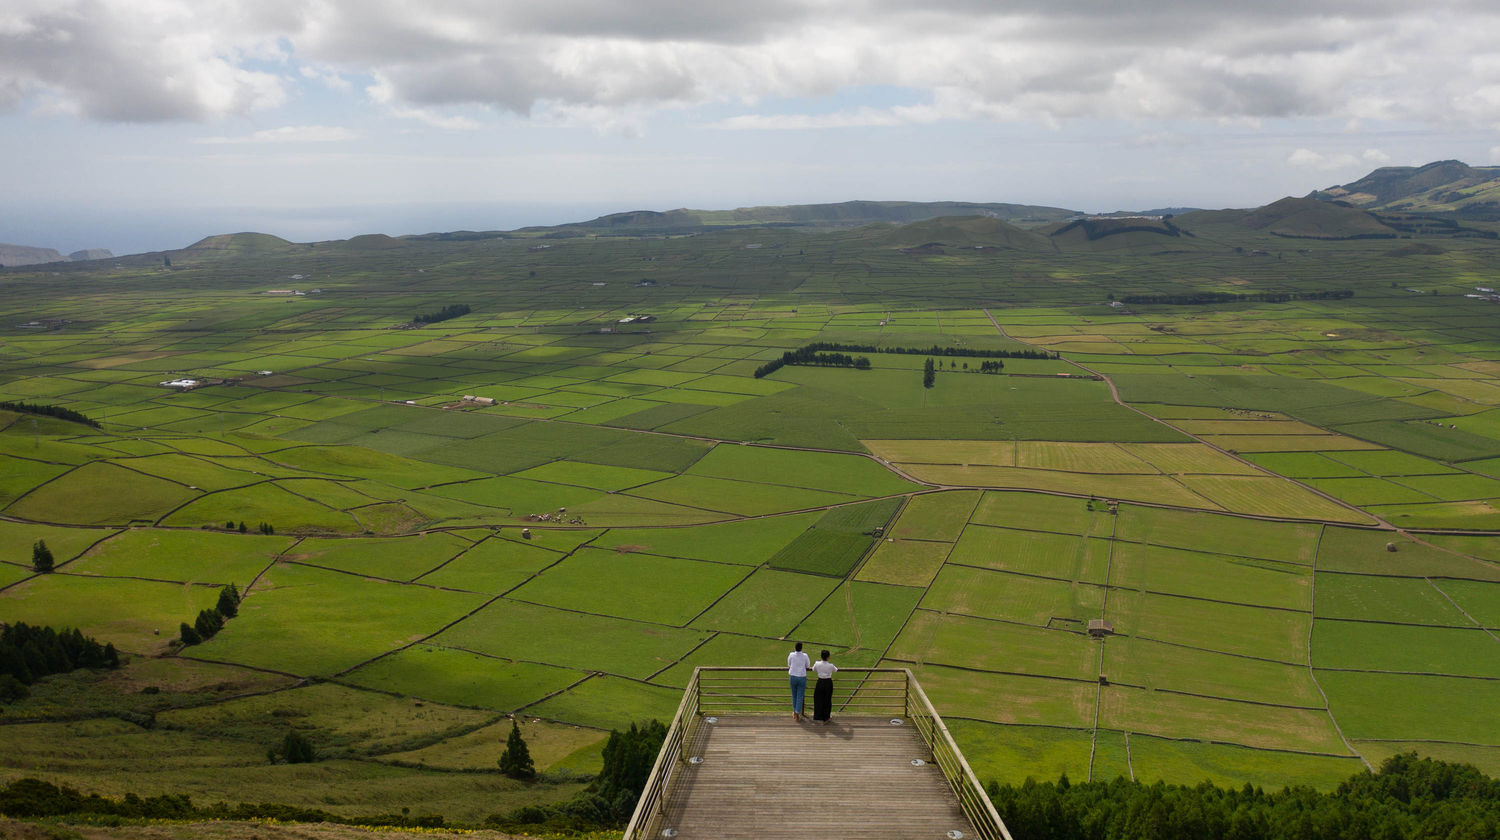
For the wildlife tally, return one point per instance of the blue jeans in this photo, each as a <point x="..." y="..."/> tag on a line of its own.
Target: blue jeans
<point x="799" y="688"/>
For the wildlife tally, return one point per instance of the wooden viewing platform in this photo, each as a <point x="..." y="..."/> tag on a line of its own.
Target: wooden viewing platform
<point x="735" y="764"/>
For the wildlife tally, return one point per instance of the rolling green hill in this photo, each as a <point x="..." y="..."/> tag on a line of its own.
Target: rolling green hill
<point x="1443" y="187"/>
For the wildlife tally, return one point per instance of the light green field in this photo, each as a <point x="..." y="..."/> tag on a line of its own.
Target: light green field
<point x="1008" y="597"/>
<point x="402" y="558"/>
<point x="767" y="603"/>
<point x="964" y="642"/>
<point x="135" y="615"/>
<point x="1215" y="577"/>
<point x="463" y="679"/>
<point x="904" y="562"/>
<point x="664" y="590"/>
<point x="183" y="556"/>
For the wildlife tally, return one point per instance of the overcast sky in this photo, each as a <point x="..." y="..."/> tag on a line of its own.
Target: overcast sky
<point x="146" y="124"/>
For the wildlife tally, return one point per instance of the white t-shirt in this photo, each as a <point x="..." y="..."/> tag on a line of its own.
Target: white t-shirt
<point x="825" y="669"/>
<point x="797" y="663"/>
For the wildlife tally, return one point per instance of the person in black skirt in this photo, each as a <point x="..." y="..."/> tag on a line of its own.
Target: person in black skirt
<point x="823" y="692"/>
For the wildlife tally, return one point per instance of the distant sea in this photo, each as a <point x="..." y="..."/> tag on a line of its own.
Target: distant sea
<point x="134" y="230"/>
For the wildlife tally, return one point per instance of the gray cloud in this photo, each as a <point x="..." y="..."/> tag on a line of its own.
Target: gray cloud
<point x="979" y="59"/>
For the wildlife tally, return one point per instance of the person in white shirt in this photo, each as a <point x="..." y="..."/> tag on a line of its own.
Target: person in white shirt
<point x="797" y="664"/>
<point x="823" y="692"/>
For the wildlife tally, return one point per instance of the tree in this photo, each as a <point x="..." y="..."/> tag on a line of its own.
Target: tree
<point x="189" y="635"/>
<point x="209" y="622"/>
<point x="243" y="529"/>
<point x="41" y="557"/>
<point x="929" y="374"/>
<point x="515" y="762"/>
<point x="294" y="749"/>
<point x="265" y="528"/>
<point x="229" y="601"/>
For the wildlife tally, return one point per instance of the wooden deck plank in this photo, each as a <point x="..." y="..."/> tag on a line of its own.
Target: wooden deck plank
<point x="768" y="777"/>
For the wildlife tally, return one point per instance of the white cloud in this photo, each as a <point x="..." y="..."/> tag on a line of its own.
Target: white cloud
<point x="289" y="134"/>
<point x="610" y="64"/>
<point x="1375" y="156"/>
<point x="1309" y="159"/>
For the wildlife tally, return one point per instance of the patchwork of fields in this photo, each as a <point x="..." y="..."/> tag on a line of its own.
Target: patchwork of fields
<point x="1287" y="512"/>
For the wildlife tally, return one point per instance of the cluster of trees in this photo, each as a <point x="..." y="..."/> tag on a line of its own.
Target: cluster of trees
<point x="450" y="311"/>
<point x="264" y="527"/>
<point x="610" y="799"/>
<point x="1409" y="798"/>
<point x="295" y="748"/>
<point x="990" y="367"/>
<point x="929" y="374"/>
<point x="1200" y="298"/>
<point x="41" y="557"/>
<point x="211" y="620"/>
<point x="28" y="653"/>
<point x="49" y="411"/>
<point x="832" y="353"/>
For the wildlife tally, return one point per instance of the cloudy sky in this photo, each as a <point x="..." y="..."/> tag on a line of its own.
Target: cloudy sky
<point x="146" y="124"/>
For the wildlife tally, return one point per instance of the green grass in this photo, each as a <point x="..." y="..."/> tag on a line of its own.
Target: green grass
<point x="462" y="678"/>
<point x="1192" y="573"/>
<point x="904" y="562"/>
<point x="1035" y="511"/>
<point x="401" y="558"/>
<point x="127" y="613"/>
<point x="1008" y="597"/>
<point x="1008" y="698"/>
<point x="101" y="494"/>
<point x="524" y="632"/>
<point x="860" y="616"/>
<point x="494" y="566"/>
<point x="183" y="556"/>
<point x="610" y="703"/>
<point x="273" y="504"/>
<point x="1401" y="706"/>
<point x="736" y="497"/>
<point x="1453" y="651"/>
<point x="1245" y="724"/>
<point x="664" y="590"/>
<point x="767" y="603"/>
<point x="749" y="542"/>
<point x="17" y="539"/>
<point x="1480" y="600"/>
<point x="596" y="476"/>
<point x="1279" y="635"/>
<point x="932" y="638"/>
<point x="812" y="470"/>
<point x="1012" y="754"/>
<point x="936" y="516"/>
<point x="1158" y="666"/>
<point x="1406" y="600"/>
<point x="1292" y="543"/>
<point x="1191" y="762"/>
<point x="1033" y="553"/>
<point x="283" y="621"/>
<point x="1369" y="552"/>
<point x="837" y="541"/>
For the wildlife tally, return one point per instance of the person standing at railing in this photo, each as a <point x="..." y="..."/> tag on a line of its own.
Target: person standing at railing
<point x="797" y="664"/>
<point x="823" y="692"/>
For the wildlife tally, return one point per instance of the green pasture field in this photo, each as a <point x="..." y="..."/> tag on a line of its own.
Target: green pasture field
<point x="1266" y="496"/>
<point x="1481" y="601"/>
<point x="1304" y="465"/>
<point x="646" y="587"/>
<point x="493" y="566"/>
<point x="271" y="503"/>
<point x="400" y="558"/>
<point x="552" y="746"/>
<point x="1369" y="491"/>
<point x="935" y="516"/>
<point x="17" y="476"/>
<point x="837" y="540"/>
<point x="965" y="642"/>
<point x="138" y="616"/>
<point x="283" y="619"/>
<point x="860" y="616"/>
<point x="1266" y="583"/>
<point x="1141" y="663"/>
<point x="1486" y="758"/>
<point x="1024" y="599"/>
<point x="1370" y="552"/>
<point x="182" y="556"/>
<point x="17" y="538"/>
<point x="1012" y="754"/>
<point x="728" y="650"/>
<point x="1288" y="542"/>
<point x="461" y="678"/>
<point x="358" y="462"/>
<point x="1277" y="635"/>
<point x="1035" y="511"/>
<point x="1246" y="724"/>
<point x="101" y="494"/>
<point x="904" y="562"/>
<point x="767" y="603"/>
<point x="1404" y="706"/>
<point x="1474" y="515"/>
<point x="1032" y="553"/>
<point x="740" y="498"/>
<point x="812" y="470"/>
<point x="1008" y="698"/>
<point x="530" y="633"/>
<point x="750" y="542"/>
<point x="518" y="496"/>
<point x="609" y="703"/>
<point x="1406" y="600"/>
<point x="1193" y="761"/>
<point x="595" y="476"/>
<point x="1365" y="646"/>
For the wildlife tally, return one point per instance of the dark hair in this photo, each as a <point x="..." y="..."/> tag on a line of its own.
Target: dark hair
<point x="799" y="646"/>
<point x="825" y="656"/>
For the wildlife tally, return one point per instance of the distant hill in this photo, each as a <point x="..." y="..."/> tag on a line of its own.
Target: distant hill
<point x="1448" y="187"/>
<point x="1307" y="218"/>
<point x="981" y="232"/>
<point x="13" y="255"/>
<point x="848" y="214"/>
<point x="241" y="243"/>
<point x="91" y="254"/>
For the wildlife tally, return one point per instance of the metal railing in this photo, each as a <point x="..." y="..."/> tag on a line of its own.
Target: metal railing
<point x="859" y="691"/>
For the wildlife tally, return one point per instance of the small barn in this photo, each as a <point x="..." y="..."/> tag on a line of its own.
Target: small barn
<point x="1099" y="628"/>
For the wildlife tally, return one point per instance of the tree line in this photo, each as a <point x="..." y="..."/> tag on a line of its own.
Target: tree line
<point x="1200" y="298"/>
<point x="211" y="621"/>
<point x="831" y="353"/>
<point x="49" y="411"/>
<point x="451" y="311"/>
<point x="1409" y="798"/>
<point x="28" y="653"/>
